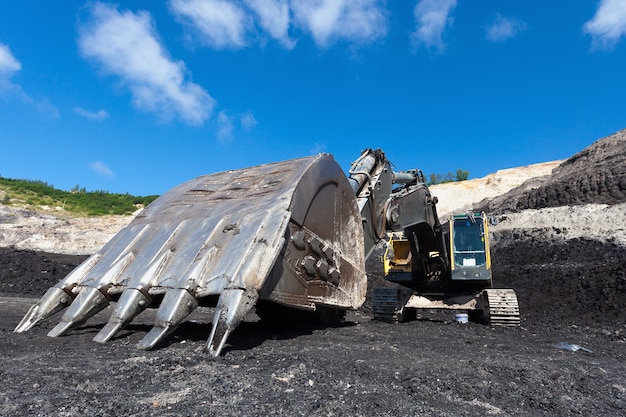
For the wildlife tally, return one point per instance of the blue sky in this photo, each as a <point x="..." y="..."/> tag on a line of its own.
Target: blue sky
<point x="139" y="96"/>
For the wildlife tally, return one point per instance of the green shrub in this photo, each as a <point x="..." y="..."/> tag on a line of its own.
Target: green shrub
<point x="78" y="200"/>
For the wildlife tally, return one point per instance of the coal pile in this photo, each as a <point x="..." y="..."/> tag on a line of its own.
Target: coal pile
<point x="596" y="175"/>
<point x="580" y="281"/>
<point x="30" y="273"/>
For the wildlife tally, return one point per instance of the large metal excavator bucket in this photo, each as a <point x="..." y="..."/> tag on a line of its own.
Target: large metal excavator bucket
<point x="288" y="232"/>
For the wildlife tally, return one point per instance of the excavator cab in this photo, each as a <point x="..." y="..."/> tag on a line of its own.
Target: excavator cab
<point x="469" y="247"/>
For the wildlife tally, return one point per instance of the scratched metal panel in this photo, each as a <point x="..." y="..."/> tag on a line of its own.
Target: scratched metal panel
<point x="208" y="216"/>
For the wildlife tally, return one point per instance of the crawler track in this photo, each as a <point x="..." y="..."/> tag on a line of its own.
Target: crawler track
<point x="502" y="307"/>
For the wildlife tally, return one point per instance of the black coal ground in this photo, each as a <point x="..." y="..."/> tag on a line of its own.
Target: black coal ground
<point x="432" y="366"/>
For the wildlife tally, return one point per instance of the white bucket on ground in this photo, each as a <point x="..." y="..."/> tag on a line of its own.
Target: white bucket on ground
<point x="461" y="318"/>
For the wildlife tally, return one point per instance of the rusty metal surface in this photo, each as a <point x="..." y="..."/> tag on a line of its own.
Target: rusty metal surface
<point x="288" y="232"/>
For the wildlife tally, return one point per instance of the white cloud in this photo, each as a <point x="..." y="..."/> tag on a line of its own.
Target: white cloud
<point x="608" y="25"/>
<point x="432" y="18"/>
<point x="8" y="64"/>
<point x="504" y="28"/>
<point x="274" y="18"/>
<point x="43" y="106"/>
<point x="8" y="67"/>
<point x="248" y="122"/>
<point x="126" y="44"/>
<point x="102" y="169"/>
<point x="317" y="148"/>
<point x="220" y="23"/>
<point x="230" y="24"/>
<point x="224" y="127"/>
<point x="353" y="21"/>
<point x="92" y="115"/>
<point x="227" y="125"/>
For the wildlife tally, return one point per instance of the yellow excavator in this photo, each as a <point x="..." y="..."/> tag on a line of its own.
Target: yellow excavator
<point x="450" y="270"/>
<point x="293" y="234"/>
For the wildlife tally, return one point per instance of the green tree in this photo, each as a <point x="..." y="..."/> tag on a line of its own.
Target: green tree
<point x="461" y="175"/>
<point x="434" y="179"/>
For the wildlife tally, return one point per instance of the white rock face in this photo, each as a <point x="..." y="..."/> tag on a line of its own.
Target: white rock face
<point x="457" y="197"/>
<point x="25" y="229"/>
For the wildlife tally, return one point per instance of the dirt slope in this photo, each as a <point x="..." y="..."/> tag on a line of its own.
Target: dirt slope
<point x="596" y="175"/>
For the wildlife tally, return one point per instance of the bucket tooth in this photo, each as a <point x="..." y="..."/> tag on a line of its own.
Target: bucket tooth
<point x="54" y="300"/>
<point x="176" y="305"/>
<point x="88" y="302"/>
<point x="233" y="305"/>
<point x="131" y="303"/>
<point x="62" y="328"/>
<point x="108" y="331"/>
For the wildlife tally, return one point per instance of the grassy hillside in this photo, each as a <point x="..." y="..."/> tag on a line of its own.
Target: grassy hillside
<point x="39" y="195"/>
